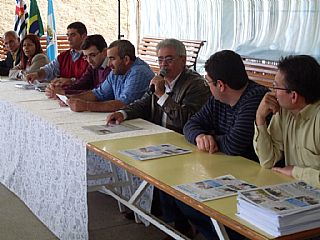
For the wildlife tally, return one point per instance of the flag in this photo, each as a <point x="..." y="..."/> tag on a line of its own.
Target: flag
<point x="52" y="50"/>
<point x="35" y="23"/>
<point x="21" y="18"/>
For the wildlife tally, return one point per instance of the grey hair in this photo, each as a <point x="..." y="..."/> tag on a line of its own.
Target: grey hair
<point x="11" y="33"/>
<point x="173" y="43"/>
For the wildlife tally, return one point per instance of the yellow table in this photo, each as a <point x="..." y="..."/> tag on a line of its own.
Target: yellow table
<point x="166" y="172"/>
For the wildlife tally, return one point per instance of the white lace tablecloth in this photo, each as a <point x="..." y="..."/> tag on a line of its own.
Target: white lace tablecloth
<point x="43" y="159"/>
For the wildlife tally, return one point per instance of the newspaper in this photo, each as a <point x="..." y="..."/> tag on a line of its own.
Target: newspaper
<point x="151" y="152"/>
<point x="284" y="198"/>
<point x="281" y="209"/>
<point x="111" y="128"/>
<point x="210" y="189"/>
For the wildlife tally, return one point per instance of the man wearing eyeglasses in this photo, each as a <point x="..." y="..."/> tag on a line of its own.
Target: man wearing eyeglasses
<point x="69" y="65"/>
<point x="225" y="123"/>
<point x="94" y="50"/>
<point x="294" y="130"/>
<point x="177" y="95"/>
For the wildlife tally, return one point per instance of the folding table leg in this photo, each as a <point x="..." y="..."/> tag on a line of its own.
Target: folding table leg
<point x="220" y="229"/>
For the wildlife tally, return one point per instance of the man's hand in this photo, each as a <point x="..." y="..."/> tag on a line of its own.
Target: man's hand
<point x="61" y="82"/>
<point x="31" y="77"/>
<point x="268" y="104"/>
<point x="159" y="84"/>
<point x="285" y="170"/>
<point x="207" y="143"/>
<point x="50" y="91"/>
<point x="78" y="105"/>
<point x="115" y="117"/>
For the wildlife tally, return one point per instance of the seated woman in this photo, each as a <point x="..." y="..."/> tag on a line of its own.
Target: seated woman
<point x="32" y="57"/>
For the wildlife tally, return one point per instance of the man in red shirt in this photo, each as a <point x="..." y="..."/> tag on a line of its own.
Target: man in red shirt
<point x="69" y="65"/>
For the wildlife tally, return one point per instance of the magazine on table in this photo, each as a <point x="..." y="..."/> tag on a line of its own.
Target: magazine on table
<point x="210" y="189"/>
<point x="111" y="128"/>
<point x="281" y="209"/>
<point x="155" y="151"/>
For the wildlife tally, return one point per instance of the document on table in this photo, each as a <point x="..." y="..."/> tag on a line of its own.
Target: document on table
<point x="155" y="151"/>
<point x="111" y="128"/>
<point x="63" y="98"/>
<point x="210" y="189"/>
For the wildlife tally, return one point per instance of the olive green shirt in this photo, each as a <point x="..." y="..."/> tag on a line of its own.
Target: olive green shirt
<point x="296" y="138"/>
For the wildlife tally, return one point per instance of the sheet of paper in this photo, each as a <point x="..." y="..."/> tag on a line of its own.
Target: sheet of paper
<point x="63" y="98"/>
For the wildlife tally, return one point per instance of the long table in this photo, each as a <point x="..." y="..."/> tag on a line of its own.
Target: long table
<point x="43" y="157"/>
<point x="166" y="172"/>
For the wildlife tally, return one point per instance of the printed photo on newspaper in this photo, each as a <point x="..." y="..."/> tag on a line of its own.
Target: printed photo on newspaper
<point x="210" y="189"/>
<point x="283" y="198"/>
<point x="155" y="151"/>
<point x="111" y="128"/>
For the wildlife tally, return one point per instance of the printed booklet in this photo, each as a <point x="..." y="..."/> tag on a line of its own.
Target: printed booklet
<point x="210" y="189"/>
<point x="281" y="209"/>
<point x="158" y="151"/>
<point x="111" y="128"/>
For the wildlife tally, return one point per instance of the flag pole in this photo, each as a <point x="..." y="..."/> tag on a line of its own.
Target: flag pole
<point x="119" y="27"/>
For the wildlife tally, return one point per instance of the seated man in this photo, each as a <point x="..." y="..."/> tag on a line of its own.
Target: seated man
<point x="12" y="43"/>
<point x="127" y="82"/>
<point x="69" y="65"/>
<point x="94" y="50"/>
<point x="294" y="131"/>
<point x="226" y="122"/>
<point x="178" y="94"/>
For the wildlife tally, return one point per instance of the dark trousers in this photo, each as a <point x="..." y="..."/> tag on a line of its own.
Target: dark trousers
<point x="203" y="223"/>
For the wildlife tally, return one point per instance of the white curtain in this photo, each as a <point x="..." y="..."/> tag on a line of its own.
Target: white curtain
<point x="265" y="29"/>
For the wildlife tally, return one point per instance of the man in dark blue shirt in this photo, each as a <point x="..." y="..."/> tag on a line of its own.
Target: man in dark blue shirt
<point x="226" y="122"/>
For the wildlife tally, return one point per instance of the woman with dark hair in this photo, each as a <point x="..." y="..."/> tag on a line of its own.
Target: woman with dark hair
<point x="32" y="57"/>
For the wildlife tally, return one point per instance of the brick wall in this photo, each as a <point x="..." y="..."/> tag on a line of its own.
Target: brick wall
<point x="100" y="16"/>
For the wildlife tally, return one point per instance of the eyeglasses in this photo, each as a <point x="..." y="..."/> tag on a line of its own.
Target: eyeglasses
<point x="207" y="82"/>
<point x="167" y="60"/>
<point x="274" y="87"/>
<point x="91" y="55"/>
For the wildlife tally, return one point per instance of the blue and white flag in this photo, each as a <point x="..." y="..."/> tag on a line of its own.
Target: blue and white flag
<point x="21" y="18"/>
<point x="52" y="50"/>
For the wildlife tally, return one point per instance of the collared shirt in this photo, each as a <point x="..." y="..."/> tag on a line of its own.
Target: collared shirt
<point x="91" y="79"/>
<point x="165" y="96"/>
<point x="52" y="69"/>
<point x="297" y="138"/>
<point x="126" y="88"/>
<point x="14" y="55"/>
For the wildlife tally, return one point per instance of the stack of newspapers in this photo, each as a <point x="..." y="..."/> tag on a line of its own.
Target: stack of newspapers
<point x="281" y="209"/>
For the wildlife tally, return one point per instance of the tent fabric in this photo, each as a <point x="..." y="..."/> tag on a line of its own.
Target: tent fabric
<point x="259" y="29"/>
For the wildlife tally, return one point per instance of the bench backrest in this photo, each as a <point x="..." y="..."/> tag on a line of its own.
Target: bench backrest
<point x="260" y="71"/>
<point x="147" y="51"/>
<point x="3" y="51"/>
<point x="62" y="43"/>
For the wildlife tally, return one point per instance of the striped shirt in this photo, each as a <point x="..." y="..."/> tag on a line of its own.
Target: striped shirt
<point x="232" y="127"/>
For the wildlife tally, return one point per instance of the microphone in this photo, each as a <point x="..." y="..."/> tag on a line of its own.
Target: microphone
<point x="162" y="73"/>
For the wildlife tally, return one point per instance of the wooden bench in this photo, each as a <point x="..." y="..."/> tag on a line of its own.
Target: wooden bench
<point x="62" y="43"/>
<point x="3" y="50"/>
<point x="260" y="70"/>
<point x="147" y="51"/>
